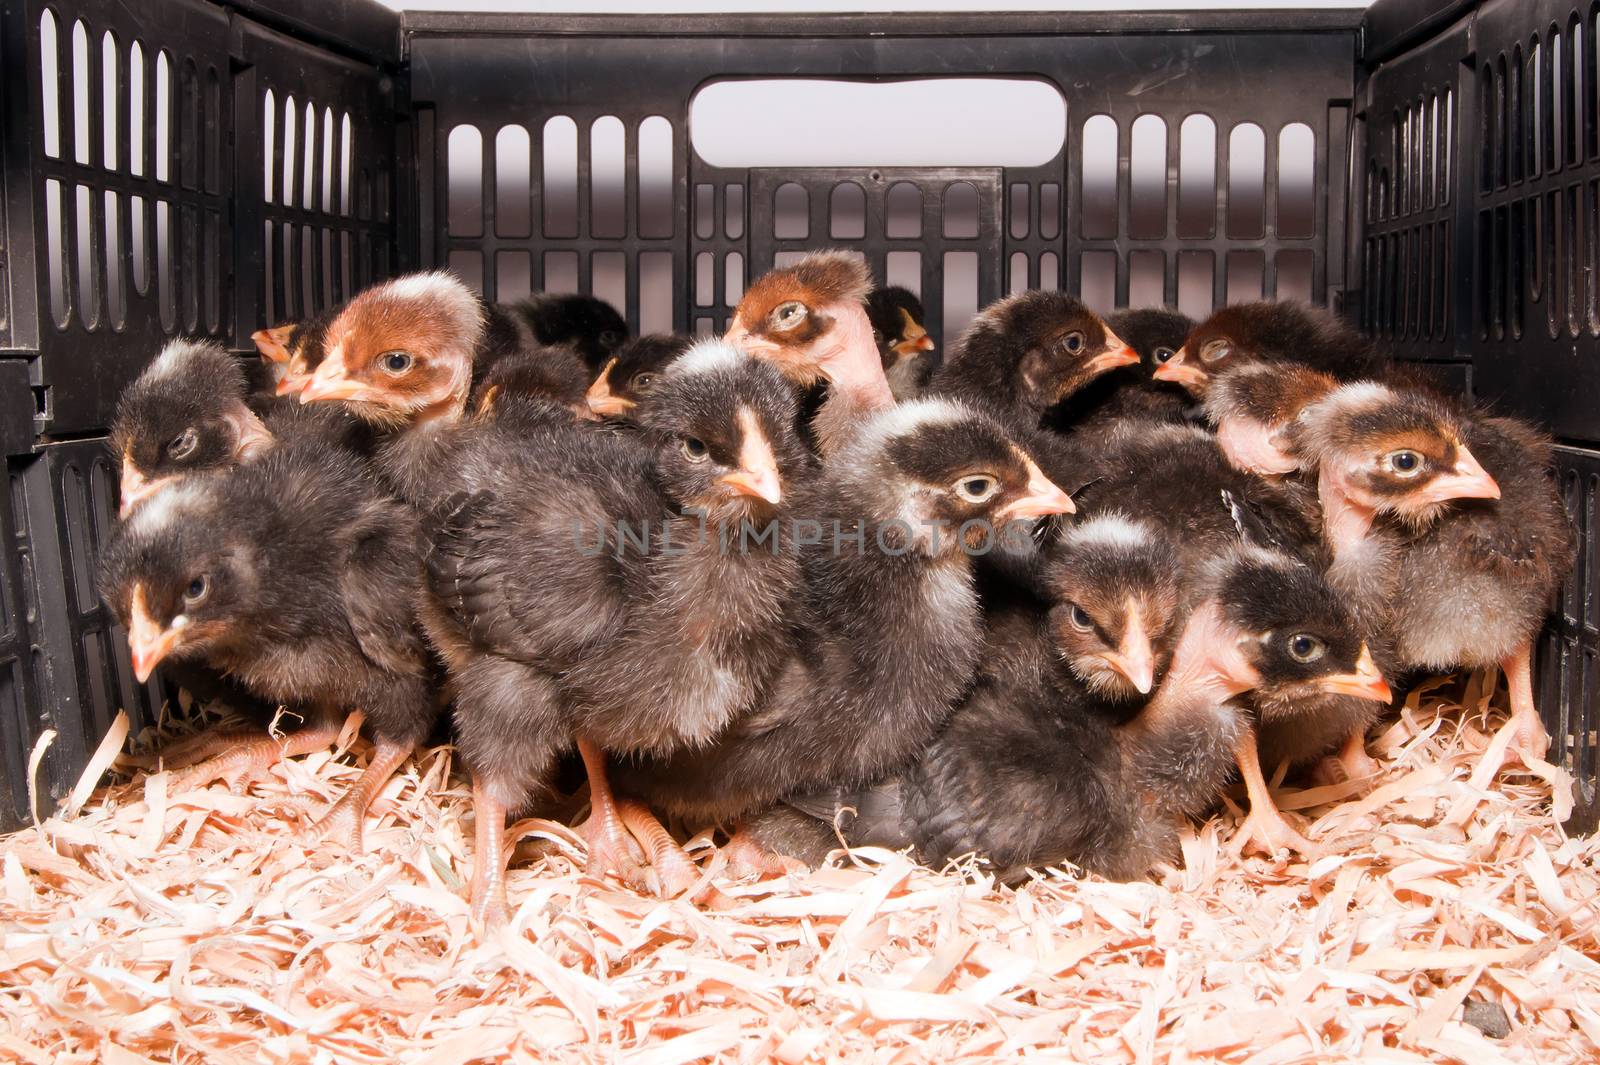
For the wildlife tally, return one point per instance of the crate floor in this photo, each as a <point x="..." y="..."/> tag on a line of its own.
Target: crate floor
<point x="196" y="928"/>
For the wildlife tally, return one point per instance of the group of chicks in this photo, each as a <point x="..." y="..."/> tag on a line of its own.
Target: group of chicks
<point x="1038" y="603"/>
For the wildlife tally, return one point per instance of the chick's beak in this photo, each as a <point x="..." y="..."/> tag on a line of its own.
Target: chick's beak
<point x="136" y="488"/>
<point x="271" y="345"/>
<point x="329" y="383"/>
<point x="1134" y="658"/>
<point x="1180" y="371"/>
<point x="757" y="474"/>
<point x="604" y="403"/>
<point x="291" y="384"/>
<point x="912" y="345"/>
<point x="1365" y="683"/>
<point x="1117" y="353"/>
<point x="148" y="642"/>
<point x="1041" y="498"/>
<point x="752" y="345"/>
<point x="1469" y="480"/>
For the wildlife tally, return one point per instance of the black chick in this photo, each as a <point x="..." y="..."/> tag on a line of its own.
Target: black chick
<point x="296" y="576"/>
<point x="890" y="633"/>
<point x="1270" y="331"/>
<point x="544" y="376"/>
<point x="600" y="587"/>
<point x="632" y="372"/>
<point x="294" y="350"/>
<point x="1446" y="525"/>
<point x="903" y="342"/>
<point x="1156" y="333"/>
<point x="589" y="325"/>
<point x="1027" y="353"/>
<point x="1033" y="770"/>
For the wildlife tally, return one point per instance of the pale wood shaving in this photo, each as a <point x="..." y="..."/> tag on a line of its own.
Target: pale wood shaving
<point x="194" y="927"/>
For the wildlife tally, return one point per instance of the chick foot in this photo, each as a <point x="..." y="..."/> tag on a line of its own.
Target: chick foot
<point x="344" y="822"/>
<point x="1524" y="735"/>
<point x="747" y="857"/>
<point x="248" y="756"/>
<point x="489" y="908"/>
<point x="1351" y="763"/>
<point x="1265" y="823"/>
<point x="611" y="849"/>
<point x="676" y="872"/>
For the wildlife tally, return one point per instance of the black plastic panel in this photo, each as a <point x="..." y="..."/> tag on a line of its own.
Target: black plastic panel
<point x="1569" y="660"/>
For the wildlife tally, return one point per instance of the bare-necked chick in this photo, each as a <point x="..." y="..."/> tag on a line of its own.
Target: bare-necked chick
<point x="1252" y="403"/>
<point x="1269" y="331"/>
<point x="1027" y="353"/>
<point x="297" y="576"/>
<point x="1156" y="334"/>
<point x="810" y="319"/>
<point x="629" y="374"/>
<point x="586" y="600"/>
<point x="898" y="327"/>
<point x="1447" y="526"/>
<point x="586" y="324"/>
<point x="891" y="631"/>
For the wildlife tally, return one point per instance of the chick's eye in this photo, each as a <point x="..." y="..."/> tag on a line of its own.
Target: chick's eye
<point x="1306" y="648"/>
<point x="183" y="444"/>
<point x="788" y="315"/>
<point x="694" y="449"/>
<point x="396" y="362"/>
<point x="197" y="590"/>
<point x="609" y="338"/>
<point x="1164" y="354"/>
<point x="978" y="489"/>
<point x="1073" y="342"/>
<point x="1080" y="619"/>
<point x="1404" y="463"/>
<point x="1216" y="351"/>
<point x="643" y="381"/>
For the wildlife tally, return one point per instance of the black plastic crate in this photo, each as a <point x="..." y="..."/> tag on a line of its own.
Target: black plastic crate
<point x="1432" y="169"/>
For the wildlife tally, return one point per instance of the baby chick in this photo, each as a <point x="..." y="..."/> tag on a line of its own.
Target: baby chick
<point x="890" y="631"/>
<point x="810" y="319"/>
<point x="1026" y="353"/>
<point x="632" y="372"/>
<point x="1129" y="391"/>
<point x="1252" y="403"/>
<point x="294" y="349"/>
<point x="1447" y="527"/>
<point x="903" y="342"/>
<point x="1269" y="331"/>
<point x="545" y="376"/>
<point x="602" y="588"/>
<point x="296" y="576"/>
<point x="586" y="324"/>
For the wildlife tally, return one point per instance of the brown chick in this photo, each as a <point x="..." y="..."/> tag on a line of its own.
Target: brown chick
<point x="1269" y="331"/>
<point x="1027" y="353"/>
<point x="632" y="372"/>
<point x="1250" y="404"/>
<point x="903" y="341"/>
<point x="810" y="319"/>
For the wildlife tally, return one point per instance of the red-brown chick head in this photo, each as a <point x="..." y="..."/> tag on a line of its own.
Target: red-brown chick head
<point x="1392" y="452"/>
<point x="724" y="428"/>
<point x="1033" y="350"/>
<point x="1265" y="330"/>
<point x="809" y="319"/>
<point x="632" y="372"/>
<point x="402" y="351"/>
<point x="1116" y="592"/>
<point x="937" y="475"/>
<point x="1251" y="403"/>
<point x="185" y="414"/>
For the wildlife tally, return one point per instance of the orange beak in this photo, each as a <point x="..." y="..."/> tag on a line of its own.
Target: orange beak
<point x="1468" y="480"/>
<point x="292" y="384"/>
<point x="913" y="345"/>
<point x="1041" y="499"/>
<point x="148" y="642"/>
<point x="1365" y="683"/>
<point x="752" y="345"/>
<point x="1135" y="659"/>
<point x="329" y="383"/>
<point x="604" y="403"/>
<point x="136" y="488"/>
<point x="1117" y="353"/>
<point x="757" y="474"/>
<point x="1180" y="371"/>
<point x="273" y="344"/>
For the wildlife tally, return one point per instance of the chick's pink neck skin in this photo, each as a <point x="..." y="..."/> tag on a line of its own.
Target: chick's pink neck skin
<point x="1208" y="663"/>
<point x="850" y="359"/>
<point x="1248" y="445"/>
<point x="1345" y="520"/>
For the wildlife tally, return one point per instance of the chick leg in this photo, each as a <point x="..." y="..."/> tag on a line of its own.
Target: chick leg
<point x="489" y="907"/>
<point x="344" y="821"/>
<point x="1351" y="763"/>
<point x="1265" y="821"/>
<point x="747" y="856"/>
<point x="676" y="872"/>
<point x="1524" y="735"/>
<point x="611" y="849"/>
<point x="248" y="755"/>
